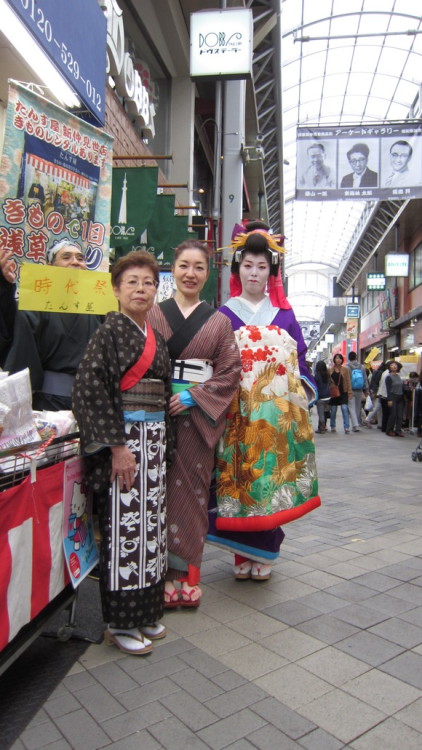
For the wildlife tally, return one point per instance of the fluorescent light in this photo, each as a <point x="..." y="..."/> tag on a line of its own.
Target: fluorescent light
<point x="13" y="28"/>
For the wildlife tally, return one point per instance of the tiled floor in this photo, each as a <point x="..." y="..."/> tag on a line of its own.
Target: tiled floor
<point x="325" y="655"/>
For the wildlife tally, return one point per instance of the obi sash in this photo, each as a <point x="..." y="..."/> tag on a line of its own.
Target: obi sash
<point x="138" y="370"/>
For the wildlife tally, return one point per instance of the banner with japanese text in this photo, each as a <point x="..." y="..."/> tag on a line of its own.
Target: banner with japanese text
<point x="55" y="181"/>
<point x="359" y="162"/>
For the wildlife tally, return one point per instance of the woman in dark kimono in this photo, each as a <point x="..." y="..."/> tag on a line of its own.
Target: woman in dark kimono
<point x="206" y="368"/>
<point x="120" y="400"/>
<point x="266" y="473"/>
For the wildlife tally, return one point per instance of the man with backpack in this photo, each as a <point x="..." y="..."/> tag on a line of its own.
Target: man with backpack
<point x="359" y="381"/>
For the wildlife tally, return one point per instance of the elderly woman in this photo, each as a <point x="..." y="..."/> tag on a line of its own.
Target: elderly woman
<point x="266" y="473"/>
<point x="120" y="400"/>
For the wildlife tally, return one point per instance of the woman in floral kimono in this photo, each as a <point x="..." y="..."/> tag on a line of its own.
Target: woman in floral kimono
<point x="266" y="472"/>
<point x="120" y="399"/>
<point x="206" y="368"/>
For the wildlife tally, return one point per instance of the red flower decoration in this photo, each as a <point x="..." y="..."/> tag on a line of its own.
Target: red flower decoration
<point x="254" y="333"/>
<point x="281" y="370"/>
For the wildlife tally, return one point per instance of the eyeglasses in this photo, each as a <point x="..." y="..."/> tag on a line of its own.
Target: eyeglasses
<point x="147" y="284"/>
<point x="358" y="161"/>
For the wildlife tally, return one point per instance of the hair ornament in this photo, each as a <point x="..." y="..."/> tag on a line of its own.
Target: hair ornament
<point x="274" y="241"/>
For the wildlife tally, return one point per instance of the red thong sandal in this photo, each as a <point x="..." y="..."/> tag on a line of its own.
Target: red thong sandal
<point x="171" y="596"/>
<point x="191" y="595"/>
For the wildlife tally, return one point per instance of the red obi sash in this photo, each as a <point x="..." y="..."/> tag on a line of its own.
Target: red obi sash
<point x="138" y="370"/>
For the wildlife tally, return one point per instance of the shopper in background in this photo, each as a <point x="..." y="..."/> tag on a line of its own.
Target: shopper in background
<point x="206" y="368"/>
<point x="395" y="399"/>
<point x="340" y="376"/>
<point x="374" y="384"/>
<point x="359" y="382"/>
<point x="382" y="395"/>
<point x="120" y="399"/>
<point x="322" y="381"/>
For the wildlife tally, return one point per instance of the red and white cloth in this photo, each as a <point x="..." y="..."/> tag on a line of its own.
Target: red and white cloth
<point x="32" y="568"/>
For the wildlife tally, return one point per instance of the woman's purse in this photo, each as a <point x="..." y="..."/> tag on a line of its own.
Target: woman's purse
<point x="334" y="390"/>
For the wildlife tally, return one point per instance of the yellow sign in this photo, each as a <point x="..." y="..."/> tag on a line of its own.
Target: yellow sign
<point x="373" y="354"/>
<point x="65" y="290"/>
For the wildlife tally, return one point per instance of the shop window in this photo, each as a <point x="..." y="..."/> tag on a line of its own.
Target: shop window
<point x="415" y="267"/>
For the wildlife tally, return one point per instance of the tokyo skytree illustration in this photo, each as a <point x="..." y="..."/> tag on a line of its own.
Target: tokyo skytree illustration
<point x="123" y="207"/>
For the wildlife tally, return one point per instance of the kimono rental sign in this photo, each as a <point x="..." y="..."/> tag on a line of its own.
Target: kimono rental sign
<point x="55" y="181"/>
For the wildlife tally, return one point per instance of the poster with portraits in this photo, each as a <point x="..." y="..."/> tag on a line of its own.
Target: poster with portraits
<point x="55" y="181"/>
<point x="375" y="162"/>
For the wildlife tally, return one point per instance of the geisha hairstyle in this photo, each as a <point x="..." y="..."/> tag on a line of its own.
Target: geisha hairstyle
<point x="258" y="241"/>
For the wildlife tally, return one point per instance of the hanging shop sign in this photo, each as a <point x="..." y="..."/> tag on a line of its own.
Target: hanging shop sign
<point x="124" y="71"/>
<point x="375" y="281"/>
<point x="55" y="181"/>
<point x="396" y="264"/>
<point x="74" y="38"/>
<point x="221" y="44"/>
<point x="385" y="305"/>
<point x="376" y="162"/>
<point x="352" y="311"/>
<point x="352" y="325"/>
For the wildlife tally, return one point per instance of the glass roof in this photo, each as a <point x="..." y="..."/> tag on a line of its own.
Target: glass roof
<point x="360" y="65"/>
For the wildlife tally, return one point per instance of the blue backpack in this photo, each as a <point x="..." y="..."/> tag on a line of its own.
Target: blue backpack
<point x="358" y="381"/>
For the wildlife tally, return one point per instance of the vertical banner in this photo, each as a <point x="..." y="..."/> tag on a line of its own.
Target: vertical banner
<point x="133" y="200"/>
<point x="55" y="181"/>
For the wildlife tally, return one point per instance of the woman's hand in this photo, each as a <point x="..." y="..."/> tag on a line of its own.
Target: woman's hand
<point x="7" y="265"/>
<point x="389" y="403"/>
<point x="175" y="405"/>
<point x="123" y="466"/>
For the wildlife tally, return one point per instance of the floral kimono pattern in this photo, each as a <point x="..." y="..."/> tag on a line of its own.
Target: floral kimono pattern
<point x="266" y="473"/>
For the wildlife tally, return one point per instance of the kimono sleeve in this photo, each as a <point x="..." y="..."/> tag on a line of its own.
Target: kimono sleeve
<point x="215" y="395"/>
<point x="96" y="395"/>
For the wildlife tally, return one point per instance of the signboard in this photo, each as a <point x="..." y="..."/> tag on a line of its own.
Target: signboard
<point x="352" y="328"/>
<point x="79" y="546"/>
<point x="375" y="281"/>
<point x="375" y="162"/>
<point x="396" y="264"/>
<point x="55" y="181"/>
<point x="65" y="290"/>
<point x="311" y="330"/>
<point x="372" y="355"/>
<point x="75" y="41"/>
<point x="385" y="304"/>
<point x="221" y="43"/>
<point x="352" y="311"/>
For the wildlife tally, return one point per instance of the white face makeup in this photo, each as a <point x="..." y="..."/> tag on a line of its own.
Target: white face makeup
<point x="254" y="271"/>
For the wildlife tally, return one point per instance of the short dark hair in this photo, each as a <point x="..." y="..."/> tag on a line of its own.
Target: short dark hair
<point x="352" y="356"/>
<point x="403" y="143"/>
<point x="360" y="148"/>
<point x="193" y="245"/>
<point x="316" y="145"/>
<point x="137" y="259"/>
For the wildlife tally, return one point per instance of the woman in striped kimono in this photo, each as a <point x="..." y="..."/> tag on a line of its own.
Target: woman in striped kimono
<point x="120" y="399"/>
<point x="206" y="369"/>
